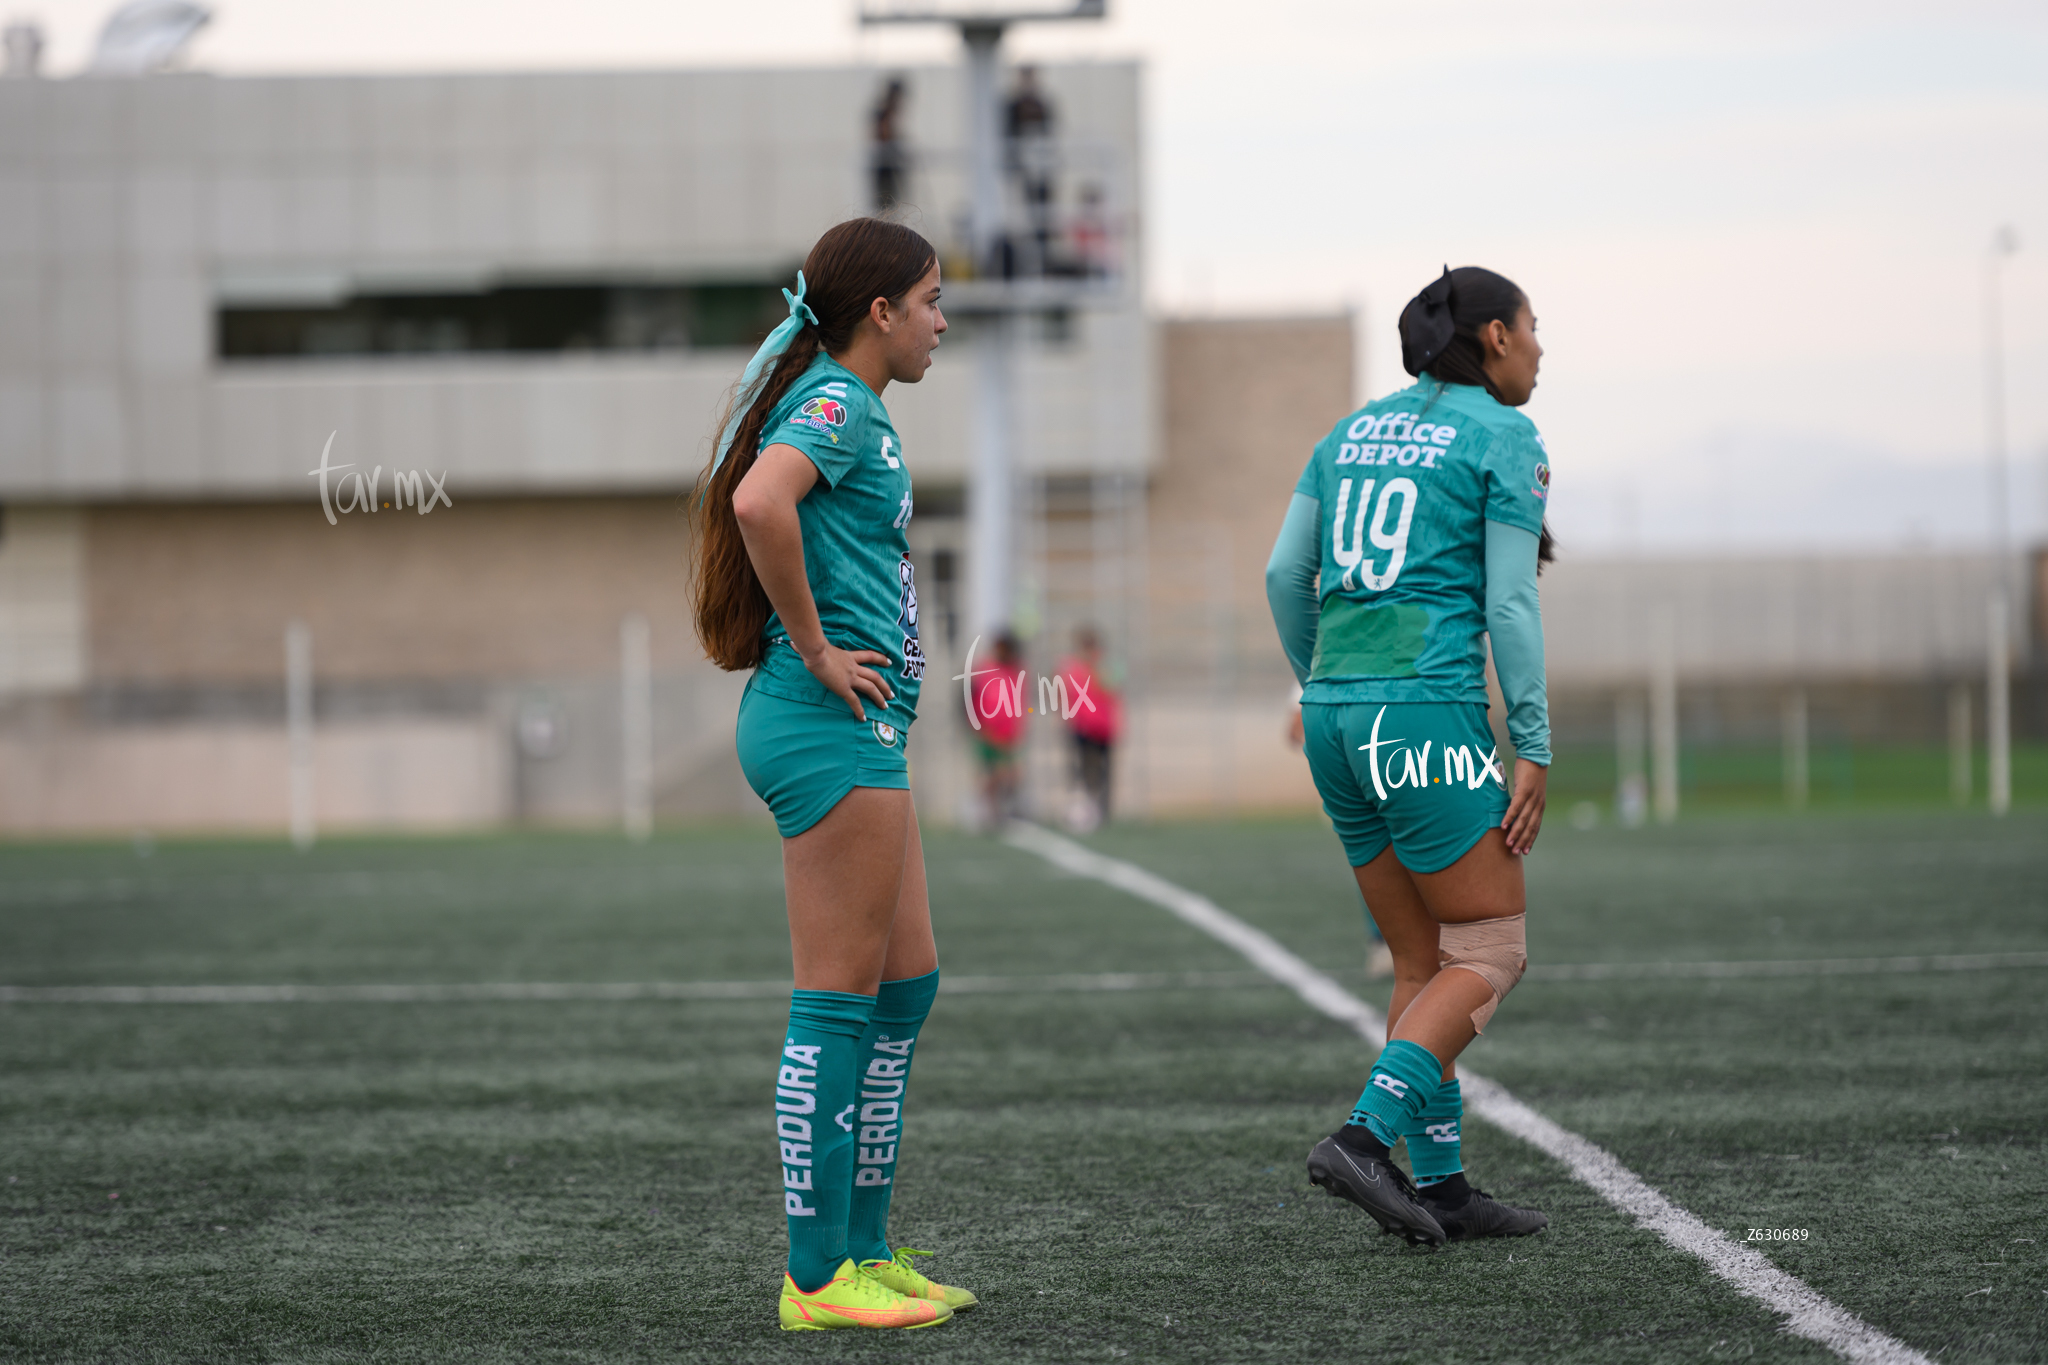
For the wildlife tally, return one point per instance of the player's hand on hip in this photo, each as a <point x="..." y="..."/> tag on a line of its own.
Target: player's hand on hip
<point x="846" y="675"/>
<point x="1525" y="806"/>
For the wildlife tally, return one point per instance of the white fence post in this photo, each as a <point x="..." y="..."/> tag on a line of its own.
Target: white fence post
<point x="1959" y="781"/>
<point x="636" y="725"/>
<point x="1631" y="786"/>
<point x="1998" y="710"/>
<point x="1798" y="784"/>
<point x="298" y="722"/>
<point x="1664" y="714"/>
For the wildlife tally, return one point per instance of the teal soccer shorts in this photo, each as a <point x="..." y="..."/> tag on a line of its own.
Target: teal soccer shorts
<point x="802" y="759"/>
<point x="1425" y="777"/>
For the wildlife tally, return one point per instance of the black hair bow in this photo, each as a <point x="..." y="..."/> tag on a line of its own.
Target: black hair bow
<point x="1426" y="325"/>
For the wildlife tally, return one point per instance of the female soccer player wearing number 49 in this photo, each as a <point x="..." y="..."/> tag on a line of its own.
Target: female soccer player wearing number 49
<point x="1423" y="515"/>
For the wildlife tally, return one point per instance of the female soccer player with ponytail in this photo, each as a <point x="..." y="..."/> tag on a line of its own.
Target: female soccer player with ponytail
<point x="1416" y="529"/>
<point x="804" y="577"/>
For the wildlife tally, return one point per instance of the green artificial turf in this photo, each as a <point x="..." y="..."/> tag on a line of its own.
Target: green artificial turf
<point x="1118" y="1175"/>
<point x="1841" y="776"/>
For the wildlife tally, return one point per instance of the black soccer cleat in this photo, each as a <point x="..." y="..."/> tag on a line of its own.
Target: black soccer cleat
<point x="1378" y="1186"/>
<point x="1481" y="1215"/>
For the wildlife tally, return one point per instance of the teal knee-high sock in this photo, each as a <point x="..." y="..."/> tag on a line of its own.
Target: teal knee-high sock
<point x="1403" y="1081"/>
<point x="884" y="1065"/>
<point x="1433" y="1135"/>
<point x="814" y="1105"/>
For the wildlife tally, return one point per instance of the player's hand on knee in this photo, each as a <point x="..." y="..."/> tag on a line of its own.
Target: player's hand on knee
<point x="1525" y="807"/>
<point x="846" y="675"/>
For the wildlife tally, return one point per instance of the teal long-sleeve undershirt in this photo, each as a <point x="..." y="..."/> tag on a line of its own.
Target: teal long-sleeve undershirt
<point x="1291" y="583"/>
<point x="1514" y="616"/>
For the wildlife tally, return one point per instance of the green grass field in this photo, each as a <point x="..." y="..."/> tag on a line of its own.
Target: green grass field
<point x="1841" y="777"/>
<point x="1117" y="1174"/>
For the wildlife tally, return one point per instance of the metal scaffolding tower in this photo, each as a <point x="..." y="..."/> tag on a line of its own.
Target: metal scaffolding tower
<point x="995" y="298"/>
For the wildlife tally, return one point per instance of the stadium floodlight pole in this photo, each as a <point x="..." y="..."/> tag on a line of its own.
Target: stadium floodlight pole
<point x="1998" y="664"/>
<point x="991" y="501"/>
<point x="2004" y="244"/>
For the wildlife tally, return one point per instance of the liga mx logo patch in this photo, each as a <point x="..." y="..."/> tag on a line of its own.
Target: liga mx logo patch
<point x="885" y="732"/>
<point x="821" y="414"/>
<point x="1542" y="488"/>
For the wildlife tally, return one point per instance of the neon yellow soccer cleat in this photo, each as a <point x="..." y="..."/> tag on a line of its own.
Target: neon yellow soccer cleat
<point x="854" y="1299"/>
<point x="903" y="1277"/>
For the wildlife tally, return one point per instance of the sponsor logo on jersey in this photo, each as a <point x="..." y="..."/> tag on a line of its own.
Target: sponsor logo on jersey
<point x="906" y="616"/>
<point x="1542" y="488"/>
<point x="885" y="732"/>
<point x="1395" y="438"/>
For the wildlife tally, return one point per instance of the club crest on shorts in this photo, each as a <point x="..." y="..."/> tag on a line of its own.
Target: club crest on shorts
<point x="885" y="732"/>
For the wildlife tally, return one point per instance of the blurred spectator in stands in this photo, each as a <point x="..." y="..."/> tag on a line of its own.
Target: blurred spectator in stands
<point x="999" y="703"/>
<point x="888" y="162"/>
<point x="1093" y="724"/>
<point x="22" y="42"/>
<point x="1088" y="236"/>
<point x="1028" y="126"/>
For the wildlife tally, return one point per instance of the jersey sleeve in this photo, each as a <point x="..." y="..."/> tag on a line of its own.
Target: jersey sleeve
<point x="827" y="420"/>
<point x="1310" y="484"/>
<point x="1291" y="583"/>
<point x="1517" y="479"/>
<point x="1514" y="621"/>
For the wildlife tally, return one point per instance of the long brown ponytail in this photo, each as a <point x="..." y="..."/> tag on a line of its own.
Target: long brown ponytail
<point x="852" y="265"/>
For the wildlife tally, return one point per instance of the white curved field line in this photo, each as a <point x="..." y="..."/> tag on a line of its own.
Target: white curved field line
<point x="1806" y="1312"/>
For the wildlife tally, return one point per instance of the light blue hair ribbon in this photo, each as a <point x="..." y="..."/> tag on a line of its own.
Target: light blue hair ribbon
<point x="777" y="342"/>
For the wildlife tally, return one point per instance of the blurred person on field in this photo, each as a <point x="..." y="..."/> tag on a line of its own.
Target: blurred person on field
<point x="1093" y="723"/>
<point x="998" y="700"/>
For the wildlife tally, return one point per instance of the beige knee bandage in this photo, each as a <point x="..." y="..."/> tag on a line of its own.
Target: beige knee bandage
<point x="1496" y="949"/>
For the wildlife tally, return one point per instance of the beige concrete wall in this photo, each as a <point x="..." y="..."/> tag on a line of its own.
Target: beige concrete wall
<point x="411" y="774"/>
<point x="1243" y="402"/>
<point x="485" y="589"/>
<point x="42" y="599"/>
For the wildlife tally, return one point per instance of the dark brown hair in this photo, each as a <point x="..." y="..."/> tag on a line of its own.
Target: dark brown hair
<point x="852" y="265"/>
<point x="1440" y="338"/>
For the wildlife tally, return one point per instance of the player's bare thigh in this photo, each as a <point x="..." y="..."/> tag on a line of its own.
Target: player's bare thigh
<point x="844" y="878"/>
<point x="1405" y="923"/>
<point x="912" y="951"/>
<point x="1484" y="884"/>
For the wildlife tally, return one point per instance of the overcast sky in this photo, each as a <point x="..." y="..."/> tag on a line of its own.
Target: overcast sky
<point x="1755" y="233"/>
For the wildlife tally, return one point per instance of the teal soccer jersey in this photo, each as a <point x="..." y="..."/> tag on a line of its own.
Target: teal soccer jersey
<point x="1406" y="486"/>
<point x="855" y="551"/>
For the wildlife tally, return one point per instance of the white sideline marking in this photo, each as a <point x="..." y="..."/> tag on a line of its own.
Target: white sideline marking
<point x="433" y="993"/>
<point x="1796" y="966"/>
<point x="456" y="993"/>
<point x="1807" y="1313"/>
